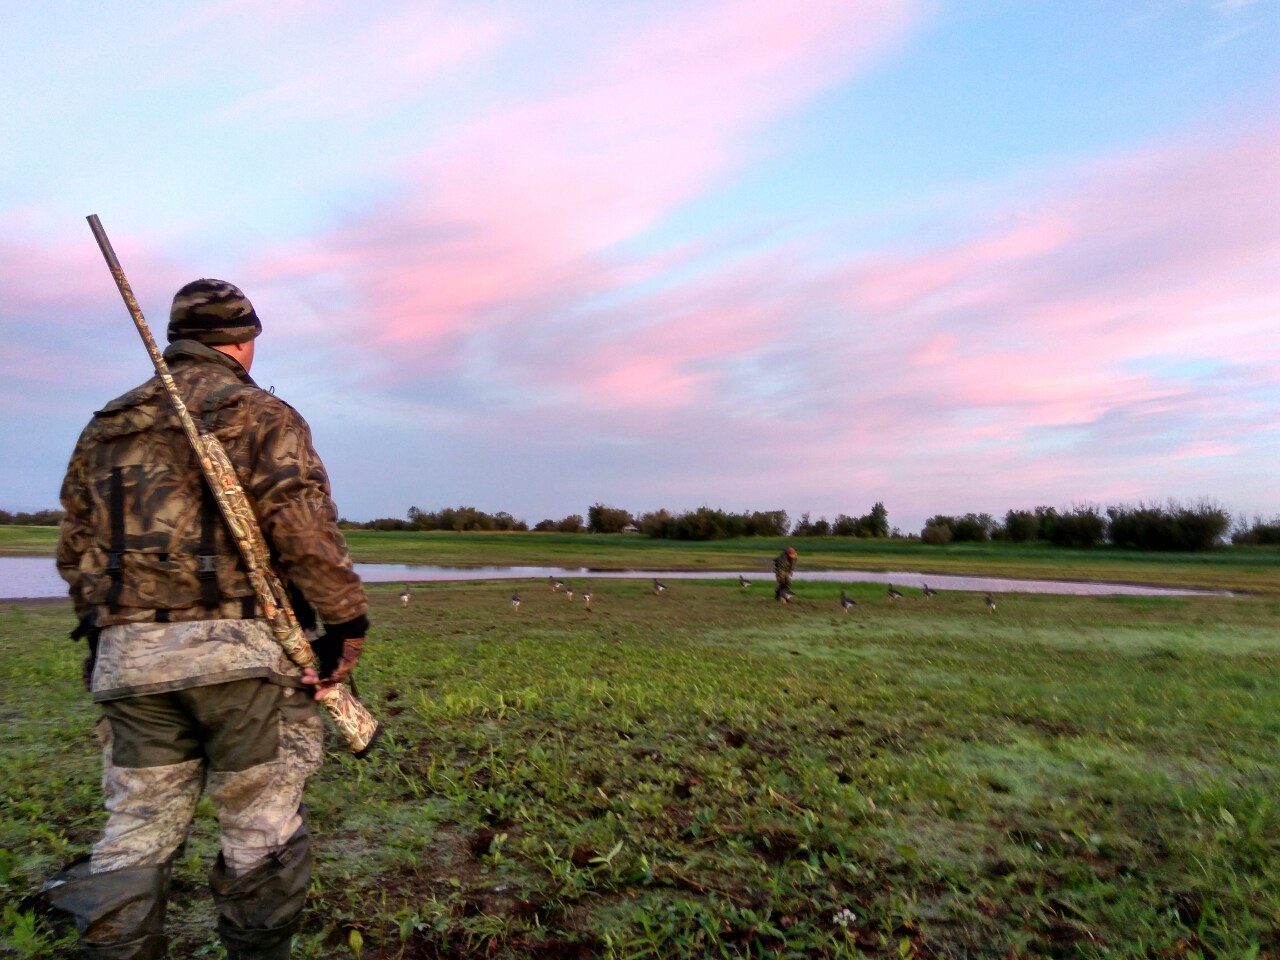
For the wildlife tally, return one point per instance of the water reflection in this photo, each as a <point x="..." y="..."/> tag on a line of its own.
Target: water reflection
<point x="397" y="572"/>
<point x="36" y="577"/>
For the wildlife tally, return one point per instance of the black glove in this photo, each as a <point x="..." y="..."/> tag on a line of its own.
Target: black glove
<point x="339" y="648"/>
<point x="328" y="651"/>
<point x="303" y="611"/>
<point x="85" y="630"/>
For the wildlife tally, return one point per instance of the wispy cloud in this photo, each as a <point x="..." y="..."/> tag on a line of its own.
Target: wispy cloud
<point x="526" y="202"/>
<point x="1126" y="305"/>
<point x="518" y="267"/>
<point x="328" y="62"/>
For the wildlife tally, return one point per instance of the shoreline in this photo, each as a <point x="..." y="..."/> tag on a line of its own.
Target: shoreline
<point x="382" y="572"/>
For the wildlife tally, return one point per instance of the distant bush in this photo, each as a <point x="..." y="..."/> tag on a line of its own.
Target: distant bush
<point x="936" y="532"/>
<point x="1082" y="526"/>
<point x="972" y="528"/>
<point x="450" y="518"/>
<point x="768" y="523"/>
<point x="656" y="524"/>
<point x="602" y="519"/>
<point x="40" y="518"/>
<point x="844" y="526"/>
<point x="1021" y="526"/>
<point x="707" y="523"/>
<point x="1172" y="527"/>
<point x="811" y="528"/>
<point x="1078" y="527"/>
<point x="873" y="524"/>
<point x="570" y="524"/>
<point x="1260" y="534"/>
<point x="386" y="523"/>
<point x="462" y="518"/>
<point x="1046" y="519"/>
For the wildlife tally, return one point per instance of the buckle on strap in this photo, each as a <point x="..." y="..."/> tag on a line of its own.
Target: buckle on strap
<point x="207" y="574"/>
<point x="115" y="571"/>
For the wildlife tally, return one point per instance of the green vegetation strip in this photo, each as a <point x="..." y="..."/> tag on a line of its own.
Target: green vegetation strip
<point x="1251" y="569"/>
<point x="708" y="773"/>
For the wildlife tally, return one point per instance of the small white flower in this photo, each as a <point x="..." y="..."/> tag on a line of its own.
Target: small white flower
<point x="844" y="916"/>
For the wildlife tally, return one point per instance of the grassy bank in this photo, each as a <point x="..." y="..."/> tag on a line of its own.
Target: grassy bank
<point x="1248" y="569"/>
<point x="709" y="773"/>
<point x="18" y="541"/>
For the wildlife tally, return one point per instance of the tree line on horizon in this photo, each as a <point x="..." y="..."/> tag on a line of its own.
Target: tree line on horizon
<point x="37" y="518"/>
<point x="1171" y="526"/>
<point x="1143" y="526"/>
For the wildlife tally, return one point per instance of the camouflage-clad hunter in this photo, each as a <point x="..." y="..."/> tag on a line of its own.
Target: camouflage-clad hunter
<point x="195" y="692"/>
<point x="784" y="566"/>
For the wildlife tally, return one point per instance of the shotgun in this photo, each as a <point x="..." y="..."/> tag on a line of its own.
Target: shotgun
<point x="353" y="721"/>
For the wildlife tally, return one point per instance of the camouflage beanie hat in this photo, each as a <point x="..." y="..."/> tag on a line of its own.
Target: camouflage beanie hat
<point x="213" y="312"/>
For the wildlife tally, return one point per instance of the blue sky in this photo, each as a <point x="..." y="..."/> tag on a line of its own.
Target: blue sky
<point x="949" y="256"/>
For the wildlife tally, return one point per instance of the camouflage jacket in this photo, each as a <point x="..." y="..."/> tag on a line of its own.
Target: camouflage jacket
<point x="784" y="565"/>
<point x="133" y="453"/>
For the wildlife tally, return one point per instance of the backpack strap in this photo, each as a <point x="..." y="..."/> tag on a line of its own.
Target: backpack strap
<point x="207" y="568"/>
<point x="115" y="556"/>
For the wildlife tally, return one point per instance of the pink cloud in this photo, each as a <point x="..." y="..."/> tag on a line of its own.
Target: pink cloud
<point x="648" y="381"/>
<point x="1206" y="448"/>
<point x="962" y="272"/>
<point x="1086" y="344"/>
<point x="1168" y="257"/>
<point x="527" y="202"/>
<point x="1116" y="319"/>
<point x="70" y="344"/>
<point x="936" y="352"/>
<point x="51" y="270"/>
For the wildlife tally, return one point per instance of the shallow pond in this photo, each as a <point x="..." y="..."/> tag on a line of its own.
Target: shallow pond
<point x="36" y="577"/>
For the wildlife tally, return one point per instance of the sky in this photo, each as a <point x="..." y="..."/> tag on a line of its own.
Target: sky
<point x="530" y="255"/>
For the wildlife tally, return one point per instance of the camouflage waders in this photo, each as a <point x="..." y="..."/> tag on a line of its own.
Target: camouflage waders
<point x="252" y="745"/>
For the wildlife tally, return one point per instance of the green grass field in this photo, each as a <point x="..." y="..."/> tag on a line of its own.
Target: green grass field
<point x="708" y="773"/>
<point x="1248" y="569"/>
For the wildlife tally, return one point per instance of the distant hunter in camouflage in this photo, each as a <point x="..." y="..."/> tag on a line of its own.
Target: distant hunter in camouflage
<point x="196" y="692"/>
<point x="784" y="567"/>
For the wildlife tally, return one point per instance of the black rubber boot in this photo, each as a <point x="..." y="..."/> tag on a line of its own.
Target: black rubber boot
<point x="147" y="948"/>
<point x="259" y="944"/>
<point x="118" y="913"/>
<point x="259" y="911"/>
